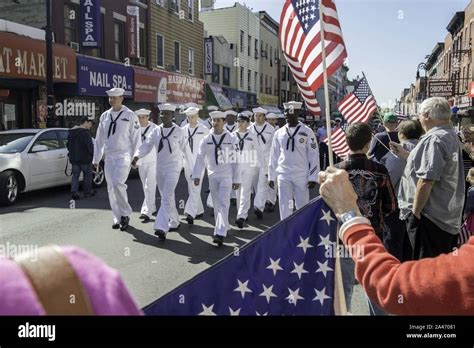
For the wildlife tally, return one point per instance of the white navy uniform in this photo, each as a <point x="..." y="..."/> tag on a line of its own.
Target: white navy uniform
<point x="294" y="161"/>
<point x="247" y="157"/>
<point x="147" y="172"/>
<point x="185" y="122"/>
<point x="264" y="135"/>
<point x="118" y="137"/>
<point x="192" y="140"/>
<point x="215" y="154"/>
<point x="169" y="144"/>
<point x="208" y="123"/>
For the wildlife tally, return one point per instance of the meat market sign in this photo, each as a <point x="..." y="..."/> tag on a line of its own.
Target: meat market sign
<point x="441" y="88"/>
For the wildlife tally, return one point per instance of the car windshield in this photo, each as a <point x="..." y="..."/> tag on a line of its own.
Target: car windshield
<point x="14" y="142"/>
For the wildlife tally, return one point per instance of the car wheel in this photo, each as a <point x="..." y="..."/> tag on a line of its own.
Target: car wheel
<point x="9" y="189"/>
<point x="98" y="176"/>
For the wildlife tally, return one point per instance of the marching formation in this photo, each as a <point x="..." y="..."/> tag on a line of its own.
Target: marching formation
<point x="243" y="154"/>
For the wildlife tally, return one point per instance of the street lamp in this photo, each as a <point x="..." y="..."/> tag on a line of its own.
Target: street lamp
<point x="425" y="82"/>
<point x="278" y="64"/>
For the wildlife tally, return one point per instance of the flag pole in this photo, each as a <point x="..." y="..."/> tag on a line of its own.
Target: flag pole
<point x="326" y="88"/>
<point x="339" y="297"/>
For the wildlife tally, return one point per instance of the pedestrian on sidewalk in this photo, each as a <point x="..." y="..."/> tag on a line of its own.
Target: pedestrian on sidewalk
<point x="81" y="153"/>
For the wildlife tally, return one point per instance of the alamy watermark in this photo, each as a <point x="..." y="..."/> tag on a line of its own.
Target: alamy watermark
<point x="74" y="108"/>
<point x="12" y="251"/>
<point x="229" y="156"/>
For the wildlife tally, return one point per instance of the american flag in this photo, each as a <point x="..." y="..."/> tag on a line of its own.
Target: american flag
<point x="288" y="270"/>
<point x="401" y="116"/>
<point x="360" y="105"/>
<point x="300" y="37"/>
<point x="339" y="143"/>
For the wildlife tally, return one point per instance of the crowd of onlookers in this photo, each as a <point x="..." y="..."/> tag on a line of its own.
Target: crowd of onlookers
<point x="412" y="182"/>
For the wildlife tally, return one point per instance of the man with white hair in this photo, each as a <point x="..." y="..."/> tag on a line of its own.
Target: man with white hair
<point x="431" y="193"/>
<point x="217" y="153"/>
<point x="147" y="167"/>
<point x="168" y="139"/>
<point x="118" y="137"/>
<point x="263" y="132"/>
<point x="194" y="132"/>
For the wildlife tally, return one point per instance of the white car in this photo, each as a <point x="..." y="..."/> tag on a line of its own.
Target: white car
<point x="33" y="159"/>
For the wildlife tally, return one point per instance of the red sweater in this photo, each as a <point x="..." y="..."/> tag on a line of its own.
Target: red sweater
<point x="434" y="286"/>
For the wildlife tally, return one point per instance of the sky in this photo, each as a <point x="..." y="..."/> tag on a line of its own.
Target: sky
<point x="386" y="39"/>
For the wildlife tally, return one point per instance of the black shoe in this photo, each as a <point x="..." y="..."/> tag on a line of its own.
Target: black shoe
<point x="269" y="207"/>
<point x="75" y="196"/>
<point x="240" y="223"/>
<point x="146" y="219"/>
<point x="154" y="213"/>
<point x="90" y="194"/>
<point x="124" y="223"/>
<point x="233" y="201"/>
<point x="259" y="214"/>
<point x="219" y="240"/>
<point x="174" y="229"/>
<point x="190" y="220"/>
<point x="142" y="217"/>
<point x="115" y="226"/>
<point x="160" y="234"/>
<point x="199" y="216"/>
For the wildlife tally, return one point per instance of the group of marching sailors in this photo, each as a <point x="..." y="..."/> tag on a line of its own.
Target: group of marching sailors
<point x="242" y="153"/>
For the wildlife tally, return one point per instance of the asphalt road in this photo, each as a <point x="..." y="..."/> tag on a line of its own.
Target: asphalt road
<point x="149" y="267"/>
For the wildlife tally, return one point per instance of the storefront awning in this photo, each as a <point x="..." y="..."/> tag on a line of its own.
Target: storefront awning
<point x="216" y="96"/>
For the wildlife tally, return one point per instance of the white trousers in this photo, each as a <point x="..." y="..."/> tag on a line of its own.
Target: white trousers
<point x="194" y="203"/>
<point x="292" y="193"/>
<point x="220" y="191"/>
<point x="244" y="193"/>
<point x="147" y="172"/>
<point x="167" y="216"/>
<point x="262" y="189"/>
<point x="116" y="174"/>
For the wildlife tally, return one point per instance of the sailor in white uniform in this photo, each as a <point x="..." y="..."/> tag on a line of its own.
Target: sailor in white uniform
<point x="247" y="157"/>
<point x="218" y="152"/>
<point x="230" y="123"/>
<point x="187" y="106"/>
<point x="208" y="122"/>
<point x="118" y="137"/>
<point x="194" y="132"/>
<point x="263" y="132"/>
<point x="147" y="167"/>
<point x="272" y="194"/>
<point x="273" y="120"/>
<point x="168" y="139"/>
<point x="294" y="162"/>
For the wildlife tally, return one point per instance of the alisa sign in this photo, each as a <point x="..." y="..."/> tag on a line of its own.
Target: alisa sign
<point x="90" y="23"/>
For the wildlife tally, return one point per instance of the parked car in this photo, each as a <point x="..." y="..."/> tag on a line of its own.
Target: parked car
<point x="33" y="159"/>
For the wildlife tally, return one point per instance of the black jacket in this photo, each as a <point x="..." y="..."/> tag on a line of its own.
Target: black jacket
<point x="80" y="146"/>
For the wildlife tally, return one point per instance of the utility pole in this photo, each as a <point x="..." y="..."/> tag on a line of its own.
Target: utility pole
<point x="49" y="68"/>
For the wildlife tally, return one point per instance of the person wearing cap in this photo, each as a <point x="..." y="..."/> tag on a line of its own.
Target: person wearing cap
<point x="168" y="139"/>
<point x="118" y="138"/>
<point x="217" y="153"/>
<point x="44" y="281"/>
<point x="377" y="151"/>
<point x="247" y="157"/>
<point x="294" y="161"/>
<point x="185" y="107"/>
<point x="273" y="120"/>
<point x="230" y="124"/>
<point x="194" y="132"/>
<point x="81" y="153"/>
<point x="208" y="122"/>
<point x="263" y="132"/>
<point x="147" y="168"/>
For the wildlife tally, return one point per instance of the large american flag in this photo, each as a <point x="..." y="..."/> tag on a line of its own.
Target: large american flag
<point x="300" y="38"/>
<point x="339" y="143"/>
<point x="288" y="270"/>
<point x="360" y="105"/>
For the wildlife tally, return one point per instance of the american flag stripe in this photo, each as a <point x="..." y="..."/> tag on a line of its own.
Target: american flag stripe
<point x="300" y="38"/>
<point x="339" y="143"/>
<point x="353" y="113"/>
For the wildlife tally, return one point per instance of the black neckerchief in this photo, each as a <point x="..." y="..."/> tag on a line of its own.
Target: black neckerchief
<point x="230" y="130"/>
<point x="260" y="134"/>
<point x="241" y="141"/>
<point x="190" y="138"/>
<point x="218" y="147"/>
<point x="163" y="137"/>
<point x="113" y="123"/>
<point x="144" y="133"/>
<point x="291" y="138"/>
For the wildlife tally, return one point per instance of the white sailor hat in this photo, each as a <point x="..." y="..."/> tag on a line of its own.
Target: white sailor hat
<point x="212" y="108"/>
<point x="271" y="116"/>
<point x="167" y="107"/>
<point x="191" y="111"/>
<point x="247" y="113"/>
<point x="231" y="112"/>
<point x="143" y="112"/>
<point x="217" y="114"/>
<point x="301" y="119"/>
<point x="259" y="111"/>
<point x="193" y="105"/>
<point x="293" y="105"/>
<point x="115" y="92"/>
